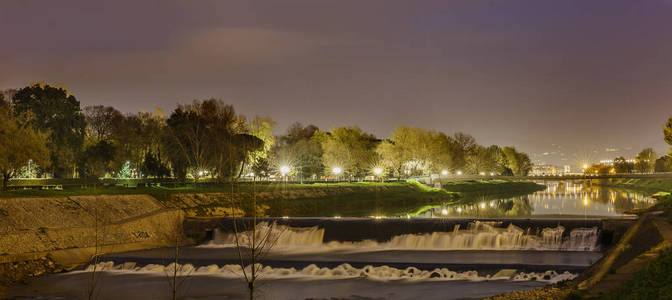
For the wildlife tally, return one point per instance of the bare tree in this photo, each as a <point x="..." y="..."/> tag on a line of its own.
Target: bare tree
<point x="178" y="274"/>
<point x="93" y="286"/>
<point x="254" y="242"/>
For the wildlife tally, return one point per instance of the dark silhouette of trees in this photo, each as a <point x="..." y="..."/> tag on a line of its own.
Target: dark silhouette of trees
<point x="58" y="112"/>
<point x="95" y="160"/>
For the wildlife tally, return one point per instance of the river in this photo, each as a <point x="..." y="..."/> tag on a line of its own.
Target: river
<point x="480" y="247"/>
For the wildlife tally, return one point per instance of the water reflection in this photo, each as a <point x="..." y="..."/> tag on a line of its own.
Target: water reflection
<point x="561" y="198"/>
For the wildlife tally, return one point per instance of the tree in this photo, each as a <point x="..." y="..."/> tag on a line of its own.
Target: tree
<point x="621" y="165"/>
<point x="101" y="121"/>
<point x="58" y="112"/>
<point x="667" y="131"/>
<point x="415" y="151"/>
<point x="261" y="168"/>
<point x="393" y="157"/>
<point x="663" y="164"/>
<point x="153" y="167"/>
<point x="205" y="136"/>
<point x="298" y="149"/>
<point x="96" y="158"/>
<point x="463" y="146"/>
<point x="20" y="141"/>
<point x="348" y="148"/>
<point x="645" y="161"/>
<point x="246" y="145"/>
<point x="137" y="135"/>
<point x="519" y="163"/>
<point x="485" y="159"/>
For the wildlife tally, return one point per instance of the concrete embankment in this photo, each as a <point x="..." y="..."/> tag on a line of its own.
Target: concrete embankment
<point x="39" y="235"/>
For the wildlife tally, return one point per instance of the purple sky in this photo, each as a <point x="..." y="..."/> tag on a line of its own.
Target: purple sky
<point x="576" y="80"/>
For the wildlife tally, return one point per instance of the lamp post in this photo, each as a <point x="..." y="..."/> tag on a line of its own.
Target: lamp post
<point x="336" y="172"/>
<point x="378" y="171"/>
<point x="284" y="170"/>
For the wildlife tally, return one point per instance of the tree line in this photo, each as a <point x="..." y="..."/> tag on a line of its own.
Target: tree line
<point x="44" y="131"/>
<point x="646" y="161"/>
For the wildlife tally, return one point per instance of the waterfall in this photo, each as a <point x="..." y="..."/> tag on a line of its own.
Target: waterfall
<point x="278" y="235"/>
<point x="477" y="236"/>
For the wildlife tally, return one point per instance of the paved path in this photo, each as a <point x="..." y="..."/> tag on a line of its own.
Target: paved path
<point x="618" y="278"/>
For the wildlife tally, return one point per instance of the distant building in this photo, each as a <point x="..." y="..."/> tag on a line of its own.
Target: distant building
<point x="610" y="162"/>
<point x="567" y="170"/>
<point x="541" y="170"/>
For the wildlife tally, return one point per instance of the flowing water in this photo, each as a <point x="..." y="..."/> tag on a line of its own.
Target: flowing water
<point x="477" y="236"/>
<point x="559" y="199"/>
<point x="443" y="256"/>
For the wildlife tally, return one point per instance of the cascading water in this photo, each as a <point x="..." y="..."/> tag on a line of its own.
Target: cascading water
<point x="278" y="235"/>
<point x="312" y="271"/>
<point x="477" y="236"/>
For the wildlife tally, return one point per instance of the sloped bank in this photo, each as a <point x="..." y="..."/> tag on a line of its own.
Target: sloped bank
<point x="42" y="235"/>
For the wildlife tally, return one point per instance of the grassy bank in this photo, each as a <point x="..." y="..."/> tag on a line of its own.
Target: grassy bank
<point x="654" y="282"/>
<point x="492" y="187"/>
<point x="652" y="185"/>
<point x="357" y="199"/>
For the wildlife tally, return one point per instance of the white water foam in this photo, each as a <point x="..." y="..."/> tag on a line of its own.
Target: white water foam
<point x="478" y="236"/>
<point x="343" y="271"/>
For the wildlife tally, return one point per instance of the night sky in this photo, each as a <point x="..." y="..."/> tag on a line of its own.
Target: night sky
<point x="563" y="80"/>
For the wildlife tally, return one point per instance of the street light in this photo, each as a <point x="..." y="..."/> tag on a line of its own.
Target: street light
<point x="444" y="172"/>
<point x="336" y="172"/>
<point x="284" y="170"/>
<point x="459" y="172"/>
<point x="377" y="171"/>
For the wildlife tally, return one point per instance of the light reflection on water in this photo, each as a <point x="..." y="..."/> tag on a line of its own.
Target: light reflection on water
<point x="561" y="198"/>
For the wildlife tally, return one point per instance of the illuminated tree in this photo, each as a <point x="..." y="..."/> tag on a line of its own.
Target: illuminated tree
<point x="348" y="148"/>
<point x="621" y="165"/>
<point x="646" y="161"/>
<point x="20" y="141"/>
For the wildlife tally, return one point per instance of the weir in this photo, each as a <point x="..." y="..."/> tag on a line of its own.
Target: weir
<point x="411" y="234"/>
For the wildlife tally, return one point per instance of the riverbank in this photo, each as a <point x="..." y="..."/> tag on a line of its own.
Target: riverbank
<point x="651" y="185"/>
<point x="639" y="266"/>
<point x="45" y="231"/>
<point x="357" y="199"/>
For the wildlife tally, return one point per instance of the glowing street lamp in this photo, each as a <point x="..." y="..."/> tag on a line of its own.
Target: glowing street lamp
<point x="459" y="172"/>
<point x="284" y="170"/>
<point x="336" y="172"/>
<point x="444" y="172"/>
<point x="377" y="171"/>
